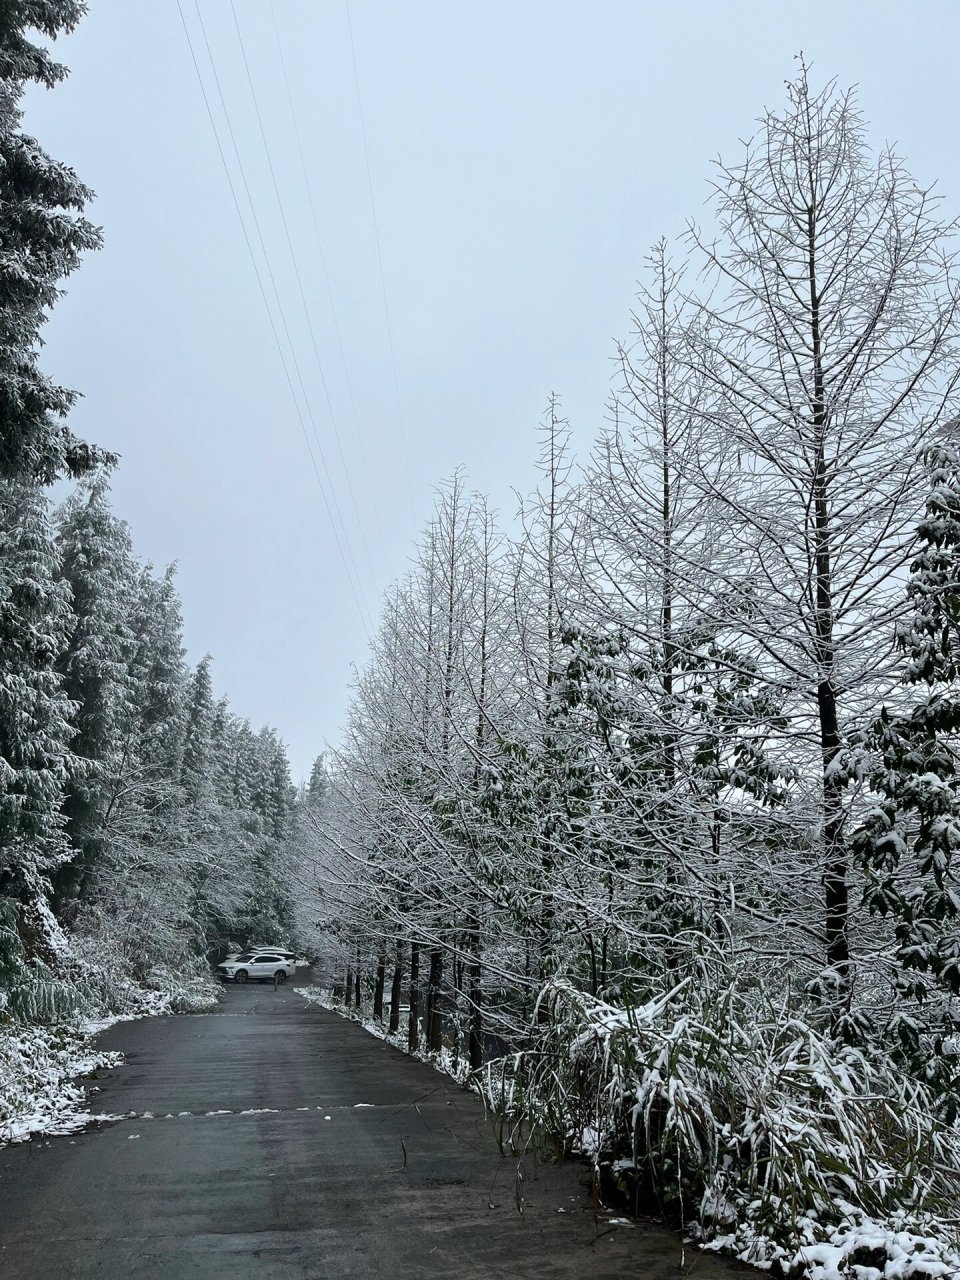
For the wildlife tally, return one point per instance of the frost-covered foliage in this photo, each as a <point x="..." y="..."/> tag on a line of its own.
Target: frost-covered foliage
<point x="724" y="1108"/>
<point x="33" y="988"/>
<point x="909" y="839"/>
<point x="635" y="742"/>
<point x="36" y="757"/>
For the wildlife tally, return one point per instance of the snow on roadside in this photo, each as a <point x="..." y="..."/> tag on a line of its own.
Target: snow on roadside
<point x="41" y="1080"/>
<point x="143" y="1003"/>
<point x="42" y="1069"/>
<point x="858" y="1248"/>
<point x="445" y="1061"/>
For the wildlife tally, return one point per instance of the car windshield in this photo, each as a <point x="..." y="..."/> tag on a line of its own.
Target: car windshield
<point x="245" y="955"/>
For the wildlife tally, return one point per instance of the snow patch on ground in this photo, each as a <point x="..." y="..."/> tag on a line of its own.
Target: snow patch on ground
<point x="42" y="1069"/>
<point x="858" y="1248"/>
<point x="41" y="1081"/>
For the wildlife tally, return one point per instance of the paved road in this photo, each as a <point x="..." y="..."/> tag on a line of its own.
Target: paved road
<point x="267" y="1140"/>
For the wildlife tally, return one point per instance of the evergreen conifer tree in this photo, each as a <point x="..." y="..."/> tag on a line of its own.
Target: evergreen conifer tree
<point x="97" y="565"/>
<point x="36" y="760"/>
<point x="318" y="787"/>
<point x="198" y="732"/>
<point x="909" y="840"/>
<point x="43" y="234"/>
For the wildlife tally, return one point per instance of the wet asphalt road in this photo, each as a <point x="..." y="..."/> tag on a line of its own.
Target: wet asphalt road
<point x="268" y="1141"/>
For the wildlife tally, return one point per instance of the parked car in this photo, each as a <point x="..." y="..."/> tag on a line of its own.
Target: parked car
<point x="263" y="965"/>
<point x="289" y="956"/>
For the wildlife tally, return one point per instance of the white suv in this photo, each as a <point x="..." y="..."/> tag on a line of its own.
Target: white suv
<point x="266" y="965"/>
<point x="282" y="952"/>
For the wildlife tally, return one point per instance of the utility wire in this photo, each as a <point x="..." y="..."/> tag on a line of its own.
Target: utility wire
<point x="323" y="263"/>
<point x="376" y="232"/>
<point x="303" y="297"/>
<point x="344" y="554"/>
<point x="343" y="538"/>
<point x="347" y="552"/>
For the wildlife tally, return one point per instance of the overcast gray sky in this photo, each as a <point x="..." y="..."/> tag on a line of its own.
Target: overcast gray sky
<point x="522" y="157"/>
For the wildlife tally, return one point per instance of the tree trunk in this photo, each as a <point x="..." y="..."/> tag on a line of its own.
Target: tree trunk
<point x="378" y="989"/>
<point x="395" y="991"/>
<point x="413" y="1025"/>
<point x="836" y="889"/>
<point x="348" y="987"/>
<point x="475" y="998"/>
<point x="434" y="1013"/>
<point x="546" y="925"/>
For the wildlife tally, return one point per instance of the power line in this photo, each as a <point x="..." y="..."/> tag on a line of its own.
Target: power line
<point x="303" y="298"/>
<point x="347" y="552"/>
<point x="376" y="232"/>
<point x="344" y="541"/>
<point x="345" y="556"/>
<point x="323" y="260"/>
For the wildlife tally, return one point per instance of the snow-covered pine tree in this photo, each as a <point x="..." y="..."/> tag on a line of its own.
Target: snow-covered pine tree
<point x="318" y="787"/>
<point x="36" y="760"/>
<point x="97" y="564"/>
<point x="197" y="765"/>
<point x="43" y="234"/>
<point x="137" y="857"/>
<point x="157" y="673"/>
<point x="909" y="840"/>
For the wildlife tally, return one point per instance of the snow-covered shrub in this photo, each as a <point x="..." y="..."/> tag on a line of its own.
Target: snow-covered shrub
<point x="184" y="985"/>
<point x="39" y="1087"/>
<point x="720" y="1106"/>
<point x="30" y="990"/>
<point x="91" y="978"/>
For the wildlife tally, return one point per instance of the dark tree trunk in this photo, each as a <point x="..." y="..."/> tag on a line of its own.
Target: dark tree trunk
<point x="395" y="991"/>
<point x="348" y="988"/>
<point x="835" y="884"/>
<point x="378" y="989"/>
<point x="547" y="925"/>
<point x="434" y="1013"/>
<point x="413" y="1025"/>
<point x="475" y="995"/>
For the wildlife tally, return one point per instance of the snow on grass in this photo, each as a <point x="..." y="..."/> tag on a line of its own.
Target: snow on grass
<point x="801" y="1155"/>
<point x="43" y="1068"/>
<point x="41" y="1081"/>
<point x="858" y="1248"/>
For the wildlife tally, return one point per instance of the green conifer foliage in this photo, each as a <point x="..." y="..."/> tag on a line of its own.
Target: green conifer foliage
<point x="909" y="840"/>
<point x="198" y="733"/>
<point x="97" y="565"/>
<point x="36" y="760"/>
<point x="157" y="672"/>
<point x="43" y="234"/>
<point x="318" y="788"/>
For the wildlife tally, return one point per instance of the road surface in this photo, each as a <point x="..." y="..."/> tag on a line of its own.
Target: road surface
<point x="272" y="1139"/>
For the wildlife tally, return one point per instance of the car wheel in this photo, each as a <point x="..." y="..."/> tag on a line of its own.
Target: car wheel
<point x="281" y="975"/>
<point x="241" y="975"/>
